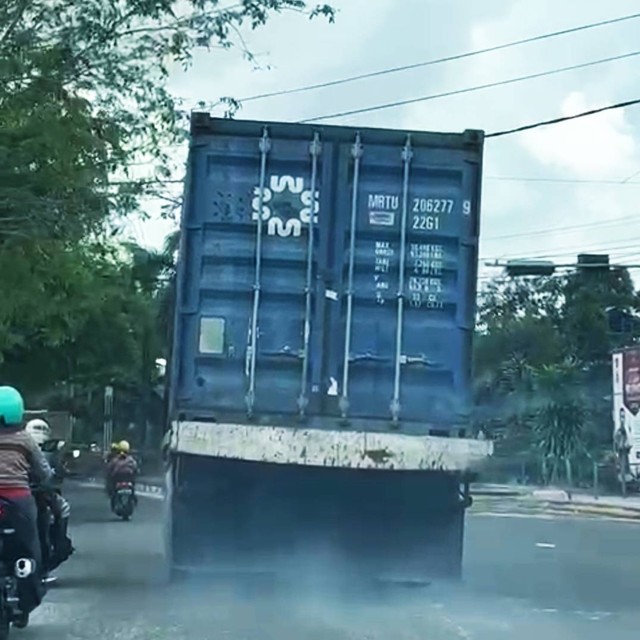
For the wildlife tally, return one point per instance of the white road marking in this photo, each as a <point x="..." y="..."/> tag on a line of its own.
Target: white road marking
<point x="142" y="493"/>
<point x="546" y="516"/>
<point x="545" y="545"/>
<point x="498" y="514"/>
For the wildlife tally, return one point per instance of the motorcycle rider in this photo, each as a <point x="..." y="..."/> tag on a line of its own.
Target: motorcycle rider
<point x="21" y="463"/>
<point x="40" y="431"/>
<point x="122" y="467"/>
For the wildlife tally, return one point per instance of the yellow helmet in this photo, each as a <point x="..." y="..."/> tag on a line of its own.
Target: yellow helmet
<point x="124" y="446"/>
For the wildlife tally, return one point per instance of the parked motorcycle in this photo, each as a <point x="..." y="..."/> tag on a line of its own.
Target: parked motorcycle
<point x="123" y="499"/>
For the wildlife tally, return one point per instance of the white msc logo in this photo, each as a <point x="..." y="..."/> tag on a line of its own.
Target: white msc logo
<point x="295" y="199"/>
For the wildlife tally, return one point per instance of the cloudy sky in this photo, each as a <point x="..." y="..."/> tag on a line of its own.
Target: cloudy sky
<point x="548" y="193"/>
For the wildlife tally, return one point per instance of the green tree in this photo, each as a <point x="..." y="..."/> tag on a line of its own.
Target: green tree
<point x="83" y="95"/>
<point x="590" y="295"/>
<point x="96" y="336"/>
<point x="109" y="60"/>
<point x="528" y="330"/>
<point x="559" y="414"/>
<point x="167" y="296"/>
<point x="518" y="330"/>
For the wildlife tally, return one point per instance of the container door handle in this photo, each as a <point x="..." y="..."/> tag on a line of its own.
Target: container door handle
<point x="264" y="146"/>
<point x="407" y="155"/>
<point x="356" y="152"/>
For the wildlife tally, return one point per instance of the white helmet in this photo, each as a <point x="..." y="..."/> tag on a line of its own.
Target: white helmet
<point x="39" y="430"/>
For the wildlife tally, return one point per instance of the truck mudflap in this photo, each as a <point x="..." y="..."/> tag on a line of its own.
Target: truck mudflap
<point x="237" y="516"/>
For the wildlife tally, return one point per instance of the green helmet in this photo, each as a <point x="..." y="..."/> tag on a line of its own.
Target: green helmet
<point x="11" y="407"/>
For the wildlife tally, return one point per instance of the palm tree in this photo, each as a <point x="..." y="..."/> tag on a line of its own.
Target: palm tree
<point x="560" y="414"/>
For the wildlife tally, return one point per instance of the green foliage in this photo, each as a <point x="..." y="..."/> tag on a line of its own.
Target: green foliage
<point x="542" y="367"/>
<point x="559" y="409"/>
<point x="589" y="295"/>
<point x="85" y="328"/>
<point x="115" y="56"/>
<point x="83" y="96"/>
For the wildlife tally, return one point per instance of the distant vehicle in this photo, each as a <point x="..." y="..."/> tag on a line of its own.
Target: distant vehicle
<point x="123" y="500"/>
<point x="320" y="378"/>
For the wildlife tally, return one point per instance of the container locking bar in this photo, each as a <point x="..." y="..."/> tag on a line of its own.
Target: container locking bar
<point x="407" y="155"/>
<point x="356" y="152"/>
<point x="303" y="400"/>
<point x="264" y="146"/>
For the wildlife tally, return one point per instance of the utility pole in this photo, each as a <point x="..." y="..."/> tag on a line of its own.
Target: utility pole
<point x="107" y="432"/>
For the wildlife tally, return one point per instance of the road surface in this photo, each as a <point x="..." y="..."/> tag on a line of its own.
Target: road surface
<point x="527" y="576"/>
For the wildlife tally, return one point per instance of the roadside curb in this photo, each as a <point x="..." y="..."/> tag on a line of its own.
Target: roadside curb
<point x="150" y="489"/>
<point x="507" y="493"/>
<point x="497" y="490"/>
<point x="629" y="513"/>
<point x="556" y="501"/>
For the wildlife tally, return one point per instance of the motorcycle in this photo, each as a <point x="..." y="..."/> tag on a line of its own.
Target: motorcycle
<point x="14" y="567"/>
<point x="51" y="556"/>
<point x="123" y="499"/>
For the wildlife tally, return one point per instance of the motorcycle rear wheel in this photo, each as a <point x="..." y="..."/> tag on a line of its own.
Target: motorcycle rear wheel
<point x="21" y="621"/>
<point x="5" y="623"/>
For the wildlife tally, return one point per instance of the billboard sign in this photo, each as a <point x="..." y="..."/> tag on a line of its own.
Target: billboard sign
<point x="626" y="404"/>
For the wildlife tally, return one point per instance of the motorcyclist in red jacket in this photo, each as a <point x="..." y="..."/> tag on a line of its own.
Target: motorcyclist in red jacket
<point x="121" y="467"/>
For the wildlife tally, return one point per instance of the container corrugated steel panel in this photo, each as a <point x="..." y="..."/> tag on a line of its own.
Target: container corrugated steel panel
<point x="361" y="316"/>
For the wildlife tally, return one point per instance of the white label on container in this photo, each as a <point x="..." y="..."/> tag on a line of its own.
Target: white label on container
<point x="331" y="294"/>
<point x="382" y="218"/>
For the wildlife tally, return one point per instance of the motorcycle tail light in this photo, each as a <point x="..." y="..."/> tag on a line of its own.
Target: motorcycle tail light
<point x="24" y="567"/>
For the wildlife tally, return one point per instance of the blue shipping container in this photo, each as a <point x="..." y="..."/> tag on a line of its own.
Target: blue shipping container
<point x="350" y="301"/>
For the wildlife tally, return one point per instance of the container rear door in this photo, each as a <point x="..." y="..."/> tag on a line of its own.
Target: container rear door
<point x="407" y="312"/>
<point x="236" y="284"/>
<point x="359" y="315"/>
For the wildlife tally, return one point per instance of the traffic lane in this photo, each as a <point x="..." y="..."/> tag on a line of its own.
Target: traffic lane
<point x="115" y="564"/>
<point x="113" y="588"/>
<point x="570" y="563"/>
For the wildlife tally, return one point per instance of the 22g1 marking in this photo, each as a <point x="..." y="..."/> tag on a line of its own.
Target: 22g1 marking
<point x="426" y="223"/>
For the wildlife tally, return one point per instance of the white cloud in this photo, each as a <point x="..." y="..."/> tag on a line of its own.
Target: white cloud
<point x="374" y="34"/>
<point x="600" y="146"/>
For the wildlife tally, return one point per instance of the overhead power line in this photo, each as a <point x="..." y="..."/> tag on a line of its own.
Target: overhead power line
<point x="566" y="250"/>
<point x="550" y="230"/>
<point x="626" y="181"/>
<point x="479" y="87"/>
<point x="436" y="61"/>
<point x="583" y="114"/>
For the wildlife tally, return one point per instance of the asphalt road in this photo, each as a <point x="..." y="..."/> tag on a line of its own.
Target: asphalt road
<point x="528" y="576"/>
